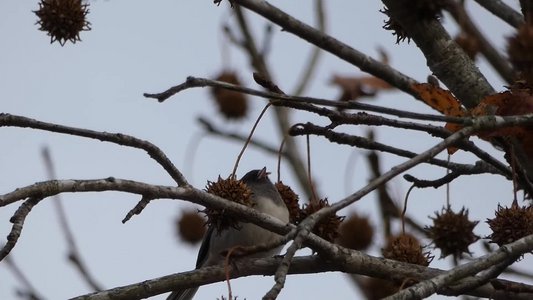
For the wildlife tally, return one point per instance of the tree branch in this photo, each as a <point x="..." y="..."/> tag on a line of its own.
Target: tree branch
<point x="502" y="11"/>
<point x="116" y="138"/>
<point x="355" y="263"/>
<point x="444" y="57"/>
<point x="330" y="44"/>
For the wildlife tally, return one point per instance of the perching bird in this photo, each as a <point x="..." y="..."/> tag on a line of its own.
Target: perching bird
<point x="266" y="199"/>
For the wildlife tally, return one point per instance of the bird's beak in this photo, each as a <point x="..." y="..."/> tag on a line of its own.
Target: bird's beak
<point x="263" y="173"/>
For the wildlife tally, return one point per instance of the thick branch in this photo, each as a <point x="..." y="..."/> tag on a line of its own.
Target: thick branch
<point x="498" y="62"/>
<point x="330" y="44"/>
<point x="444" y="57"/>
<point x="355" y="263"/>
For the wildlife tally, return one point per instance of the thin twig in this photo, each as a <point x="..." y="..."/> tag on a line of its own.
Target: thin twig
<point x="311" y="184"/>
<point x="194" y="82"/>
<point x="211" y="128"/>
<point x="421" y="183"/>
<point x="139" y="207"/>
<point x="281" y="114"/>
<point x="74" y="255"/>
<point x="357" y="141"/>
<point x="30" y="292"/>
<point x="17" y="219"/>
<point x="404" y="210"/>
<point x="311" y="65"/>
<point x="248" y="139"/>
<point x="280" y="152"/>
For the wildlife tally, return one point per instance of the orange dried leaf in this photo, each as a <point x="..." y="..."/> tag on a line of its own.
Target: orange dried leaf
<point x="453" y="127"/>
<point x="439" y="99"/>
<point x="444" y="102"/>
<point x="353" y="87"/>
<point x="514" y="102"/>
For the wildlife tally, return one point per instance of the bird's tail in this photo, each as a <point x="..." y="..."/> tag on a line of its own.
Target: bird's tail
<point x="187" y="294"/>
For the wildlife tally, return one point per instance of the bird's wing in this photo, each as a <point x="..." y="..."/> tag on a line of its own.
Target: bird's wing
<point x="204" y="248"/>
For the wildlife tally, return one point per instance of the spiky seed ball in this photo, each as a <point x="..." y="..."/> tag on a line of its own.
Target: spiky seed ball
<point x="63" y="19"/>
<point x="356" y="232"/>
<point x="231" y="104"/>
<point x="291" y="201"/>
<point x="520" y="51"/>
<point x="375" y="288"/>
<point x="230" y="189"/>
<point x="429" y="9"/>
<point x="328" y="227"/>
<point x="452" y="232"/>
<point x="416" y="10"/>
<point x="190" y="227"/>
<point x="406" y="248"/>
<point x="511" y="223"/>
<point x="468" y="43"/>
<point x="392" y="25"/>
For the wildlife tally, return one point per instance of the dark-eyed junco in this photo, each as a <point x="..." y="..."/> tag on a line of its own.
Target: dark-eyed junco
<point x="266" y="199"/>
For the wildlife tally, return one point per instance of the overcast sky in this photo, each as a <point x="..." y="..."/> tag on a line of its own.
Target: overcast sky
<point x="148" y="46"/>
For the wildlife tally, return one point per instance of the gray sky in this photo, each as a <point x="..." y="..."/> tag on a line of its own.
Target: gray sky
<point x="146" y="46"/>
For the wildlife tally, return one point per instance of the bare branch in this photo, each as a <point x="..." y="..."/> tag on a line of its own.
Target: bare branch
<point x="355" y="263"/>
<point x="503" y="11"/>
<point x="330" y="44"/>
<point x="116" y="138"/>
<point x="281" y="113"/>
<point x="17" y="219"/>
<point x="498" y="62"/>
<point x="212" y="129"/>
<point x="421" y="183"/>
<point x="53" y="187"/>
<point x="311" y="65"/>
<point x="193" y="82"/>
<point x="444" y="57"/>
<point x="361" y="142"/>
<point x="74" y="255"/>
<point x="30" y="292"/>
<point x="433" y="285"/>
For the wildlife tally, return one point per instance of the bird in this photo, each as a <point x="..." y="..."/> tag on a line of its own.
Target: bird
<point x="265" y="199"/>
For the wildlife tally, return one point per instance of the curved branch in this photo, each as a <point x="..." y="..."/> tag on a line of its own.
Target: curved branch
<point x="18" y="219"/>
<point x="53" y="187"/>
<point x="116" y="138"/>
